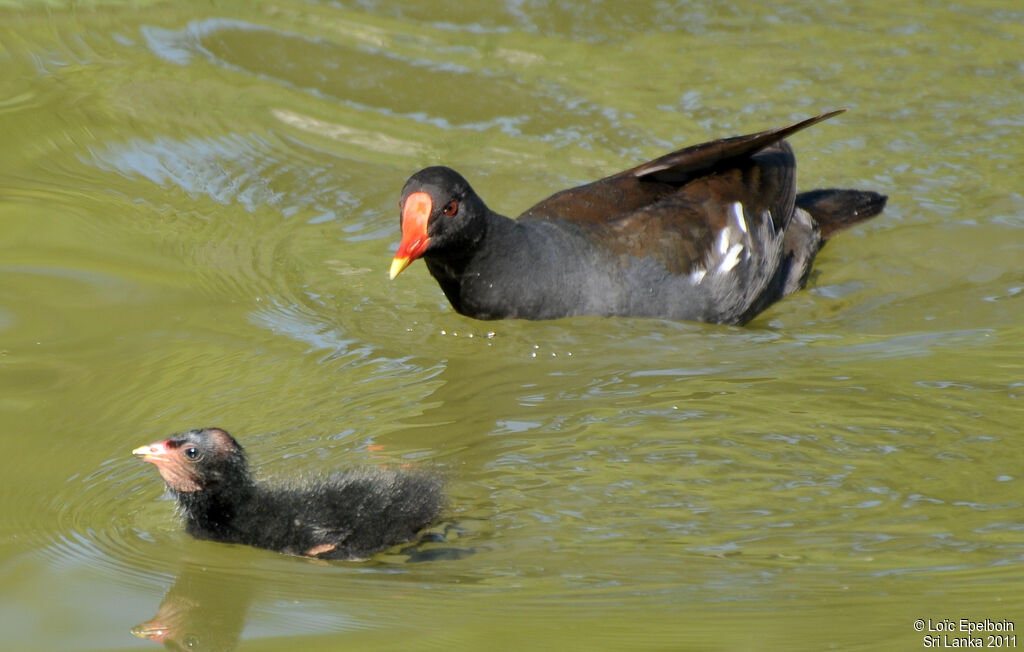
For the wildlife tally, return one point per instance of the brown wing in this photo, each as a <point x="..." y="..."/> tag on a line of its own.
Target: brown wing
<point x="628" y="191"/>
<point x="686" y="164"/>
<point x="671" y="208"/>
<point x="680" y="228"/>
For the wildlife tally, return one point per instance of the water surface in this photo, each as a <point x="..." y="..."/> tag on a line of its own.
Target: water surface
<point x="197" y="213"/>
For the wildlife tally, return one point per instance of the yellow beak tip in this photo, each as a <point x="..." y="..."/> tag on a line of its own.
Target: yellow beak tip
<point x="397" y="265"/>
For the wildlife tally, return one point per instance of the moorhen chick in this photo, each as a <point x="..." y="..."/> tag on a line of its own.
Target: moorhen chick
<point x="715" y="232"/>
<point x="347" y="515"/>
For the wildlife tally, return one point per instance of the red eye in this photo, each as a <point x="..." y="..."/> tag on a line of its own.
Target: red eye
<point x="451" y="208"/>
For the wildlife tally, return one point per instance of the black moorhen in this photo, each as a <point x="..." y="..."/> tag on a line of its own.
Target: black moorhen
<point x="343" y="516"/>
<point x="715" y="232"/>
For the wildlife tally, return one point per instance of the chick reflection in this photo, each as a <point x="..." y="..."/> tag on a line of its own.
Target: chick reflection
<point x="206" y="610"/>
<point x="203" y="610"/>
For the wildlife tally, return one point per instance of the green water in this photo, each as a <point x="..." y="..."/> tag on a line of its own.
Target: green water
<point x="198" y="208"/>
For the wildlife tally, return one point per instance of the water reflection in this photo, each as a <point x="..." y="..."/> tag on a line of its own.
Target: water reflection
<point x="194" y="614"/>
<point x="206" y="608"/>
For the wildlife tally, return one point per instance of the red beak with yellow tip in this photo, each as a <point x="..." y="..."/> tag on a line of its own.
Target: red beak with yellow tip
<point x="415" y="215"/>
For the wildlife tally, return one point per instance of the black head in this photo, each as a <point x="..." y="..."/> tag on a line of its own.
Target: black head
<point x="441" y="214"/>
<point x="198" y="460"/>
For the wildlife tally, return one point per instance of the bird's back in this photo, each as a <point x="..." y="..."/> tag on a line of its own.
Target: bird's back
<point x="671" y="208"/>
<point x="353" y="514"/>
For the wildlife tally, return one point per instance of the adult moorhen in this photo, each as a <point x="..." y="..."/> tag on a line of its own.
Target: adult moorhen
<point x="715" y="232"/>
<point x="343" y="516"/>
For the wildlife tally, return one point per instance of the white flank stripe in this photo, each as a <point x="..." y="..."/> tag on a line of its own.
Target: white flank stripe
<point x="723" y="241"/>
<point x="737" y="214"/>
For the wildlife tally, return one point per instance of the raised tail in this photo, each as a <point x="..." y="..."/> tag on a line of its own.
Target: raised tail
<point x="835" y="209"/>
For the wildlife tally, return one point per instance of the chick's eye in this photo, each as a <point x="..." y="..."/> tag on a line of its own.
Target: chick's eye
<point x="192" y="453"/>
<point x="451" y="208"/>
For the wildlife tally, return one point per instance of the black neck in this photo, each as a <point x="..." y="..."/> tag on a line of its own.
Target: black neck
<point x="211" y="513"/>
